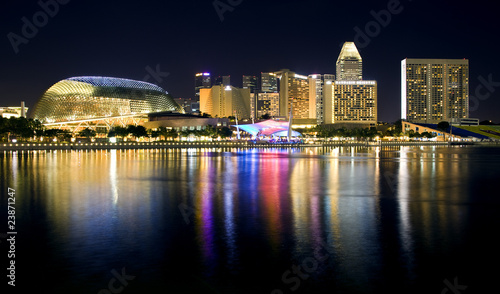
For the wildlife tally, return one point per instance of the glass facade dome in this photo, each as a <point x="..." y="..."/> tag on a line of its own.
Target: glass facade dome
<point x="89" y="98"/>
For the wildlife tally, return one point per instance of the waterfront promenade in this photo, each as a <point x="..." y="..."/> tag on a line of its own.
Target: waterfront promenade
<point x="222" y="144"/>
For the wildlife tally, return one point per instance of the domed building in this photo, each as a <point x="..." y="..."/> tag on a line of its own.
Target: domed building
<point x="92" y="101"/>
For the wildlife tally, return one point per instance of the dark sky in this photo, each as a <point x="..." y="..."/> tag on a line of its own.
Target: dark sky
<point x="129" y="39"/>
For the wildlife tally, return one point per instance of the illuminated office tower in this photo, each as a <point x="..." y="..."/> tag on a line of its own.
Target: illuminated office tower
<point x="349" y="63"/>
<point x="226" y="80"/>
<point x="251" y="82"/>
<point x="223" y="80"/>
<point x="350" y="103"/>
<point x="434" y="90"/>
<point x="268" y="103"/>
<point x="296" y="87"/>
<point x="225" y="101"/>
<point x="201" y="80"/>
<point x="316" y="84"/>
<point x="269" y="82"/>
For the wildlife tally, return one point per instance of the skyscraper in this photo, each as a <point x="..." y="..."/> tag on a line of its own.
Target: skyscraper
<point x="201" y="80"/>
<point x="222" y="80"/>
<point x="293" y="87"/>
<point x="350" y="100"/>
<point x="267" y="103"/>
<point x="251" y="82"/>
<point x="434" y="90"/>
<point x="225" y="101"/>
<point x="316" y="102"/>
<point x="269" y="82"/>
<point x="349" y="63"/>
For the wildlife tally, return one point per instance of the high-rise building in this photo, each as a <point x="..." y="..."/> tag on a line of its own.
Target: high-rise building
<point x="226" y="80"/>
<point x="268" y="103"/>
<point x="269" y="82"/>
<point x="316" y="84"/>
<point x="349" y="63"/>
<point x="190" y="105"/>
<point x="434" y="90"/>
<point x="293" y="88"/>
<point x="201" y="80"/>
<point x="351" y="102"/>
<point x="223" y="80"/>
<point x="225" y="101"/>
<point x="251" y="82"/>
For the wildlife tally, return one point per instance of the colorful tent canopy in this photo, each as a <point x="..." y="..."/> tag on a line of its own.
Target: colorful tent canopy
<point x="268" y="128"/>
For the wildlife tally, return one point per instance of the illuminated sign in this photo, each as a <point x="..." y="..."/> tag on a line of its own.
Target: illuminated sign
<point x="355" y="82"/>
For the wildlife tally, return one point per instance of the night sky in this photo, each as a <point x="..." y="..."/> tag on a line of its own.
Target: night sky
<point x="131" y="39"/>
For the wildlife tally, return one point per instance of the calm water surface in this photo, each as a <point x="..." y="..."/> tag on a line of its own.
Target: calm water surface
<point x="333" y="220"/>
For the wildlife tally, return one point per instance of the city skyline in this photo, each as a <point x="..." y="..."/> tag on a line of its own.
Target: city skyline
<point x="166" y="44"/>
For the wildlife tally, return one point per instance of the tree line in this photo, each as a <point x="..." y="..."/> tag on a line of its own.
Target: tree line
<point x="25" y="129"/>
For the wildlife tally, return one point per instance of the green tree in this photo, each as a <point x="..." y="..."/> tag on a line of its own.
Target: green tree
<point x="101" y="131"/>
<point x="3" y="129"/>
<point x="51" y="133"/>
<point x="210" y="131"/>
<point x="168" y="133"/>
<point x="185" y="133"/>
<point x="87" y="132"/>
<point x="111" y="133"/>
<point x="172" y="134"/>
<point x="64" y="135"/>
<point x="427" y="135"/>
<point x="412" y="134"/>
<point x="21" y="127"/>
<point x="443" y="126"/>
<point x="225" y="132"/>
<point x="120" y="131"/>
<point x="398" y="127"/>
<point x="137" y="131"/>
<point x="266" y="116"/>
<point x="154" y="133"/>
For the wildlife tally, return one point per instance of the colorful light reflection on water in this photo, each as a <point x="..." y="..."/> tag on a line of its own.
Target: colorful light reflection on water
<point x="239" y="220"/>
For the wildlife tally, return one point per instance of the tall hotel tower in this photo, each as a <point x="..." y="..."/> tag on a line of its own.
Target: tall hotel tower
<point x="268" y="98"/>
<point x="293" y="88"/>
<point x="434" y="90"/>
<point x="225" y="101"/>
<point x="349" y="63"/>
<point x="201" y="81"/>
<point x="317" y="83"/>
<point x="350" y="100"/>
